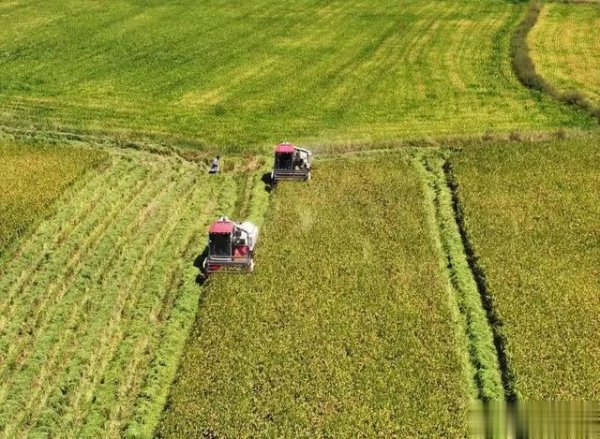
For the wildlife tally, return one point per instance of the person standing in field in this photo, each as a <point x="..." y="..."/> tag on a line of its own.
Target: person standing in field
<point x="214" y="166"/>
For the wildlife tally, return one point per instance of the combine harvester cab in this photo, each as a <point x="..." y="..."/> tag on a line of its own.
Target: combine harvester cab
<point x="230" y="246"/>
<point x="291" y="163"/>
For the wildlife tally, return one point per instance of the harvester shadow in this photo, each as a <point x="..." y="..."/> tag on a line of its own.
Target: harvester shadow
<point x="199" y="263"/>
<point x="268" y="181"/>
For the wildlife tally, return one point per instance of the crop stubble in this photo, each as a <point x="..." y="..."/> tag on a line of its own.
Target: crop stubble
<point x="99" y="301"/>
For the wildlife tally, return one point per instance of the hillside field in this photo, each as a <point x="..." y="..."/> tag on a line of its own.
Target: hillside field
<point x="240" y="75"/>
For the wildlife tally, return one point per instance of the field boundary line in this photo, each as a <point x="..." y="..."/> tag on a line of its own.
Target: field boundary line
<point x="115" y="140"/>
<point x="495" y="322"/>
<point x="466" y="300"/>
<point x="456" y="143"/>
<point x="526" y="72"/>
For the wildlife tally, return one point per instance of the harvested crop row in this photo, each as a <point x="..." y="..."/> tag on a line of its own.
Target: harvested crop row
<point x="343" y="329"/>
<point x="564" y="47"/>
<point x="100" y="300"/>
<point x="533" y="216"/>
<point x="220" y="74"/>
<point x="31" y="178"/>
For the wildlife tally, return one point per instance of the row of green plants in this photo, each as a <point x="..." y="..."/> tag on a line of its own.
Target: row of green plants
<point x="473" y="323"/>
<point x="101" y="297"/>
<point x="345" y="327"/>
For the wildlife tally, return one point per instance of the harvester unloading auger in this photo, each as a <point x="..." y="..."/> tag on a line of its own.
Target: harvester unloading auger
<point x="291" y="163"/>
<point x="230" y="246"/>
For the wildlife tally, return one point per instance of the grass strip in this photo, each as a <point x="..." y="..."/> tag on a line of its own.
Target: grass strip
<point x="483" y="357"/>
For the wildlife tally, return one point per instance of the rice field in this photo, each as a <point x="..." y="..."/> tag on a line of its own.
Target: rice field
<point x="239" y="75"/>
<point x="392" y="292"/>
<point x="345" y="328"/>
<point x="533" y="215"/>
<point x="97" y="303"/>
<point x="31" y="178"/>
<point x="564" y="47"/>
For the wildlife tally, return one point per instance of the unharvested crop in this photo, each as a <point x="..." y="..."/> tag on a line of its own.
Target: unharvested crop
<point x="564" y="47"/>
<point x="533" y="217"/>
<point x="97" y="303"/>
<point x="344" y="329"/>
<point x="31" y="178"/>
<point x="243" y="74"/>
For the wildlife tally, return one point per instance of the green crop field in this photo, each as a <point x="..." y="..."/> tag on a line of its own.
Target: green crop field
<point x="344" y="328"/>
<point x="564" y="47"/>
<point x="394" y="292"/>
<point x="244" y="74"/>
<point x="533" y="215"/>
<point x="96" y="304"/>
<point x="31" y="178"/>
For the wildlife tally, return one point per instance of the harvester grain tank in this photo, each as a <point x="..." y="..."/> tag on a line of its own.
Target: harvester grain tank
<point x="230" y="246"/>
<point x="291" y="163"/>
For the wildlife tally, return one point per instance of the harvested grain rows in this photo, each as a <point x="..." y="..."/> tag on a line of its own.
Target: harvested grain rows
<point x="98" y="301"/>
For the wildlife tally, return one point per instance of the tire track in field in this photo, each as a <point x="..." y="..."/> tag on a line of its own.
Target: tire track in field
<point x="487" y="368"/>
<point x="494" y="320"/>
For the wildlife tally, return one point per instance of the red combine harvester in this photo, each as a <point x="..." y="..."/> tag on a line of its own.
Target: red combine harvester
<point x="230" y="246"/>
<point x="291" y="163"/>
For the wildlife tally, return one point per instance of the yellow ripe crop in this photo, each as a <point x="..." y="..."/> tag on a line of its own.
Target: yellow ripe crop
<point x="564" y="47"/>
<point x="344" y="328"/>
<point x="31" y="178"/>
<point x="534" y="219"/>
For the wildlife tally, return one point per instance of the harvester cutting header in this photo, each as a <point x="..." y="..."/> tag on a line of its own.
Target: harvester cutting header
<point x="291" y="163"/>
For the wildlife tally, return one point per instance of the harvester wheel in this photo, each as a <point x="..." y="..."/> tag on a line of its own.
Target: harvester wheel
<point x="251" y="266"/>
<point x="308" y="176"/>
